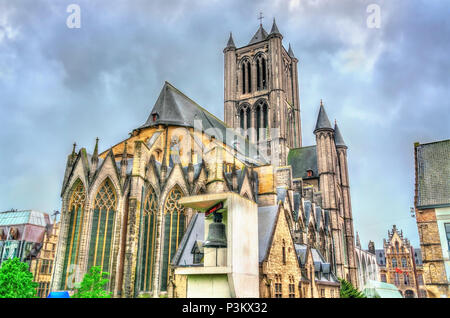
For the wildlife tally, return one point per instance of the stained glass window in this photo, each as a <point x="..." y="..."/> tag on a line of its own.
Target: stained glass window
<point x="148" y="239"/>
<point x="174" y="219"/>
<point x="102" y="227"/>
<point x="76" y="211"/>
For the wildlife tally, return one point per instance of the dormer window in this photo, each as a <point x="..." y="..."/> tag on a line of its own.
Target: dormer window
<point x="309" y="173"/>
<point x="154" y="116"/>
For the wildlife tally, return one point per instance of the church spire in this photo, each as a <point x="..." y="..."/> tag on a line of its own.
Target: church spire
<point x="124" y="164"/>
<point x="73" y="150"/>
<point x="322" y="119"/>
<point x="230" y="43"/>
<point x="94" y="159"/>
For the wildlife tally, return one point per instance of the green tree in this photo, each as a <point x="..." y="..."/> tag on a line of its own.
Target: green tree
<point x="348" y="291"/>
<point x="16" y="281"/>
<point x="93" y="284"/>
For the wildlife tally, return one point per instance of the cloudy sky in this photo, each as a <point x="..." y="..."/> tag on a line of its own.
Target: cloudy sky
<point x="387" y="87"/>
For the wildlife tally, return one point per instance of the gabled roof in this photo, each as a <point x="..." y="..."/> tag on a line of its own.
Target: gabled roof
<point x="322" y="119"/>
<point x="259" y="36"/>
<point x="195" y="232"/>
<point x="267" y="219"/>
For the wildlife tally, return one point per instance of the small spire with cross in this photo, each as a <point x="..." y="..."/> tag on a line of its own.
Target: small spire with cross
<point x="260" y="18"/>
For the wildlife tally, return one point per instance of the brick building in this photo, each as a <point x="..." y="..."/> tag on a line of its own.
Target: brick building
<point x="432" y="211"/>
<point x="401" y="265"/>
<point x="42" y="266"/>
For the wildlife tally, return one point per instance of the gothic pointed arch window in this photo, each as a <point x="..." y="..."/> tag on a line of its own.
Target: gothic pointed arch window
<point x="246" y="80"/>
<point x="150" y="211"/>
<point x="100" y="244"/>
<point x="173" y="231"/>
<point x="75" y="218"/>
<point x="262" y="120"/>
<point x="261" y="73"/>
<point x="248" y="119"/>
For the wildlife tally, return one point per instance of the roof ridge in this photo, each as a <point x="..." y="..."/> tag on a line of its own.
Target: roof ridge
<point x="196" y="104"/>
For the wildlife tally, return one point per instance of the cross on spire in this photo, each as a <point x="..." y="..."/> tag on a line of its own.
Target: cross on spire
<point x="260" y="18"/>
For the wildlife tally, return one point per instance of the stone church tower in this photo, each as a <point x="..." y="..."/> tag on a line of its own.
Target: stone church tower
<point x="120" y="206"/>
<point x="261" y="94"/>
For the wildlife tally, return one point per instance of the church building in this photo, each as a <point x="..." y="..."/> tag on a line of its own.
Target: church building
<point x="136" y="208"/>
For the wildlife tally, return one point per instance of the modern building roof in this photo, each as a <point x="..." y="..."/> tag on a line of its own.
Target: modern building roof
<point x="433" y="174"/>
<point x="24" y="217"/>
<point x="376" y="289"/>
<point x="259" y="36"/>
<point x="302" y="160"/>
<point x="322" y="119"/>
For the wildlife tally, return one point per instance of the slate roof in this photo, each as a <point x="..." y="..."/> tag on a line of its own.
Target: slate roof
<point x="290" y="52"/>
<point x="230" y="41"/>
<point x="274" y="28"/>
<point x="195" y="232"/>
<point x="338" y="140"/>
<point x="381" y="257"/>
<point x="174" y="108"/>
<point x="302" y="160"/>
<point x="267" y="216"/>
<point x="322" y="119"/>
<point x="433" y="174"/>
<point x="24" y="217"/>
<point x="418" y="256"/>
<point x="259" y="36"/>
<point x="324" y="268"/>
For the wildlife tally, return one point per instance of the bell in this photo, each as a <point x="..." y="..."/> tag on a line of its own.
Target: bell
<point x="216" y="235"/>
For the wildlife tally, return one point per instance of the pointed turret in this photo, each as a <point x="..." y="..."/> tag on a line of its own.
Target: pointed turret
<point x="290" y="52"/>
<point x="322" y="119"/>
<point x="124" y="164"/>
<point x="94" y="159"/>
<point x="74" y="154"/>
<point x="230" y="43"/>
<point x="274" y="28"/>
<point x="338" y="140"/>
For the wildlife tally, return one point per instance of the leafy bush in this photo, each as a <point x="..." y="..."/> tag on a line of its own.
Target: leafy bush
<point x="93" y="284"/>
<point x="16" y="281"/>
